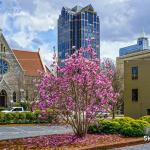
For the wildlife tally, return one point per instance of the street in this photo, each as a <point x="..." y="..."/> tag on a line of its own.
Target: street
<point x="13" y="132"/>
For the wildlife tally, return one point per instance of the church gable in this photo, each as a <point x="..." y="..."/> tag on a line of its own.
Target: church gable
<point x="31" y="62"/>
<point x="7" y="54"/>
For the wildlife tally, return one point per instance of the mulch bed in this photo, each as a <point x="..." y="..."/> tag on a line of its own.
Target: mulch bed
<point x="69" y="142"/>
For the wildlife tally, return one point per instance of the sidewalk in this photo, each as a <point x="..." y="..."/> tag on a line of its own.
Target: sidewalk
<point x="13" y="132"/>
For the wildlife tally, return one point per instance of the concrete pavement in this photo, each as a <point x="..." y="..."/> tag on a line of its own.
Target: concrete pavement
<point x="13" y="132"/>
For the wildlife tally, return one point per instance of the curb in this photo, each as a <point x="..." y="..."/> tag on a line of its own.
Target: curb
<point x="116" y="145"/>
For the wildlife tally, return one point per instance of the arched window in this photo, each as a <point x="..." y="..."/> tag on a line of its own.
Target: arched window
<point x="14" y="96"/>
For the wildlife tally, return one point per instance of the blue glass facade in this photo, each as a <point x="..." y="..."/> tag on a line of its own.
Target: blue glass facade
<point x="75" y="26"/>
<point x="142" y="44"/>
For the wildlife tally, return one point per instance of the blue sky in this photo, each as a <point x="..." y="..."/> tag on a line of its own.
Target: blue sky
<point x="32" y="24"/>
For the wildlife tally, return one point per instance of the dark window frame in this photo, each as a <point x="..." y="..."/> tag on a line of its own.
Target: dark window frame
<point x="148" y="111"/>
<point x="135" y="95"/>
<point x="135" y="72"/>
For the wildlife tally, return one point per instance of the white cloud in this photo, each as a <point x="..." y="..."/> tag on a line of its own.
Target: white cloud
<point x="47" y="53"/>
<point x="110" y="49"/>
<point x="43" y="18"/>
<point x="24" y="19"/>
<point x="24" y="39"/>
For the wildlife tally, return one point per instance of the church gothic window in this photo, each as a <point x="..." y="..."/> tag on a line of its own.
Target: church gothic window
<point x="3" y="66"/>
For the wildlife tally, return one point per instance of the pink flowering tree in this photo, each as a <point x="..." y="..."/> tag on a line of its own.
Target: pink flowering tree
<point x="81" y="89"/>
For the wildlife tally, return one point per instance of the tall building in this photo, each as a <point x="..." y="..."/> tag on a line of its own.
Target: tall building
<point x="142" y="44"/>
<point x="75" y="27"/>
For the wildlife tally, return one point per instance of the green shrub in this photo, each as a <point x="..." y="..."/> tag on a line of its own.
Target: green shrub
<point x="124" y="126"/>
<point x="144" y="123"/>
<point x="146" y="118"/>
<point x="36" y="115"/>
<point x="123" y="120"/>
<point x="109" y="127"/>
<point x="29" y="117"/>
<point x="8" y="117"/>
<point x="132" y="129"/>
<point x="26" y="117"/>
<point x="2" y="119"/>
<point x="16" y="117"/>
<point x="94" y="129"/>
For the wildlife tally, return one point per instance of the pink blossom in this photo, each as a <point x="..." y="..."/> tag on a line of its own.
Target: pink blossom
<point x="83" y="86"/>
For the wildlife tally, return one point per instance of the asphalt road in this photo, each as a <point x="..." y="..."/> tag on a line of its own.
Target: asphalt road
<point x="137" y="147"/>
<point x="13" y="132"/>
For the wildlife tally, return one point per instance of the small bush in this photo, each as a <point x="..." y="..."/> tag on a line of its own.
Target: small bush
<point x="94" y="129"/>
<point x="2" y="119"/>
<point x="124" y="126"/>
<point x="123" y="120"/>
<point x="109" y="127"/>
<point x="26" y="117"/>
<point x="146" y="118"/>
<point x="8" y="117"/>
<point x="29" y="117"/>
<point x="132" y="129"/>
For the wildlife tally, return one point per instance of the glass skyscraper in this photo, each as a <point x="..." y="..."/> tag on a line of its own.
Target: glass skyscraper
<point x="75" y="27"/>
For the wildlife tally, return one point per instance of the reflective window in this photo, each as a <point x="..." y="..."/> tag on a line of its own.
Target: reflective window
<point x="90" y="18"/>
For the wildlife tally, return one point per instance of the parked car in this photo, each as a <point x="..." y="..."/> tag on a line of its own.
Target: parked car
<point x="14" y="109"/>
<point x="103" y="114"/>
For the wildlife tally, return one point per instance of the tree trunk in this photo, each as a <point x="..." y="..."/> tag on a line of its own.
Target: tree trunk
<point x="113" y="112"/>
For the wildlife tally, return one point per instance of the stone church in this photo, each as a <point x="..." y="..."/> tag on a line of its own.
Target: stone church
<point x="18" y="72"/>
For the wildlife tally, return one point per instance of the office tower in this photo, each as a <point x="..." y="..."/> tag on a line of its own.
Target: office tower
<point x="75" y="27"/>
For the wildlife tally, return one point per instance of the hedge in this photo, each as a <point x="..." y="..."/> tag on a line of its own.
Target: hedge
<point x="146" y="118"/>
<point x="125" y="126"/>
<point x="26" y="117"/>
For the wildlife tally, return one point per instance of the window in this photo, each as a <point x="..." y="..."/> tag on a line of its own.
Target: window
<point x="140" y="42"/>
<point x="90" y="18"/>
<point x="134" y="94"/>
<point x="148" y="111"/>
<point x="14" y="96"/>
<point x="3" y="66"/>
<point x="17" y="109"/>
<point x="134" y="73"/>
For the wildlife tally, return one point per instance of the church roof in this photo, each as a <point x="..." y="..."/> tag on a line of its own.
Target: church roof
<point x="30" y="61"/>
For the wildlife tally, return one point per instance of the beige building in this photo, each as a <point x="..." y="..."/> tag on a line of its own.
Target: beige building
<point x="134" y="71"/>
<point x="18" y="70"/>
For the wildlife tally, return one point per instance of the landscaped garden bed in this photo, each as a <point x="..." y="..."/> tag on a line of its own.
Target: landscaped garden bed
<point x="70" y="142"/>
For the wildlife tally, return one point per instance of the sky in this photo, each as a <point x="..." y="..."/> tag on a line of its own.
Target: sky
<point x="32" y="24"/>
